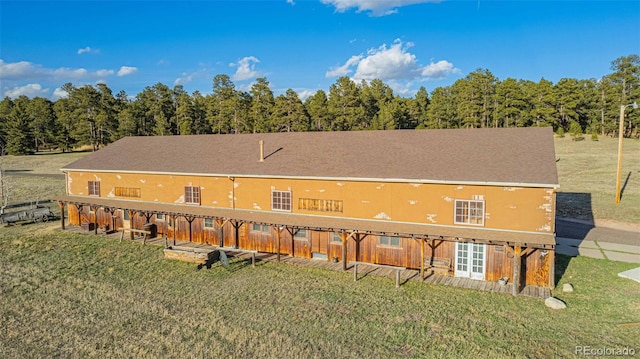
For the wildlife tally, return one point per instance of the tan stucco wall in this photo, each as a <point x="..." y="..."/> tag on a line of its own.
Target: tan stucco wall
<point x="513" y="208"/>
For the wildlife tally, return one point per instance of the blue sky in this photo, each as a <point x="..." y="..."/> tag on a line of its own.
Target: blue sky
<point x="306" y="44"/>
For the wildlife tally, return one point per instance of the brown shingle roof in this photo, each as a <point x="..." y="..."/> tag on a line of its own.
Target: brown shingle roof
<point x="524" y="156"/>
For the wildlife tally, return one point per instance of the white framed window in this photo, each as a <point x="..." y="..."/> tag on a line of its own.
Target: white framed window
<point x="281" y="201"/>
<point x="208" y="223"/>
<point x="337" y="237"/>
<point x="469" y="212"/>
<point x="94" y="188"/>
<point x="191" y="195"/>
<point x="159" y="217"/>
<point x="390" y="241"/>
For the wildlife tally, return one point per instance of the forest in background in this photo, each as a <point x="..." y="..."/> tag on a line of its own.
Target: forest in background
<point x="94" y="116"/>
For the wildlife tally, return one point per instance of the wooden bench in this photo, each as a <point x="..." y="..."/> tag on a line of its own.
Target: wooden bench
<point x="438" y="264"/>
<point x="133" y="231"/>
<point x="397" y="269"/>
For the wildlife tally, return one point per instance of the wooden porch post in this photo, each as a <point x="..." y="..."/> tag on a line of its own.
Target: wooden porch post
<point x="236" y="226"/>
<point x="552" y="268"/>
<point x="277" y="243"/>
<point x="190" y="220"/>
<point x="422" y="240"/>
<point x="174" y="219"/>
<point x="95" y="218"/>
<point x="79" y="208"/>
<point x="165" y="228"/>
<point x="220" y="232"/>
<point x="344" y="250"/>
<point x="131" y="214"/>
<point x="517" y="262"/>
<point x="62" y="205"/>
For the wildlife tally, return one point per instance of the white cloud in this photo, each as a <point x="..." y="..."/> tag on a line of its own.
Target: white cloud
<point x="246" y="68"/>
<point x="104" y="73"/>
<point x="30" y="90"/>
<point x="393" y="62"/>
<point x="344" y="69"/>
<point x="439" y="70"/>
<point x="375" y="7"/>
<point x="87" y="50"/>
<point x="59" y="93"/>
<point x="127" y="70"/>
<point x="24" y="70"/>
<point x="291" y="2"/>
<point x="385" y="63"/>
<point x="304" y="94"/>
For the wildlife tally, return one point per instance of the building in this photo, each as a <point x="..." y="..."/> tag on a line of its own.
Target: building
<point x="475" y="203"/>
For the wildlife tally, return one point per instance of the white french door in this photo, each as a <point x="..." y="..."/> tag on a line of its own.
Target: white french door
<point x="470" y="260"/>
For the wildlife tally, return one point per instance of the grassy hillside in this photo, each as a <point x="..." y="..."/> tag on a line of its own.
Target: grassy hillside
<point x="76" y="295"/>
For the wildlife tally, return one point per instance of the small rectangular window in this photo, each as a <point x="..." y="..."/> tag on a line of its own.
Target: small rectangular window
<point x="260" y="228"/>
<point x="94" y="188"/>
<point x="127" y="192"/>
<point x="159" y="217"/>
<point x="390" y="241"/>
<point x="301" y="234"/>
<point x="208" y="223"/>
<point x="126" y="215"/>
<point x="337" y="237"/>
<point x="281" y="201"/>
<point x="192" y="195"/>
<point x="469" y="212"/>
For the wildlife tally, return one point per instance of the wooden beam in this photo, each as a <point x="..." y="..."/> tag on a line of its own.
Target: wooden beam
<point x="552" y="268"/>
<point x="62" y="205"/>
<point x="422" y="241"/>
<point x="190" y="219"/>
<point x="517" y="262"/>
<point x="131" y="214"/>
<point x="220" y="231"/>
<point x="344" y="250"/>
<point x="95" y="218"/>
<point x="277" y="242"/>
<point x="174" y="219"/>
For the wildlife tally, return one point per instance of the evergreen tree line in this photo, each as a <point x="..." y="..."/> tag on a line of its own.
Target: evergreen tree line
<point x="94" y="116"/>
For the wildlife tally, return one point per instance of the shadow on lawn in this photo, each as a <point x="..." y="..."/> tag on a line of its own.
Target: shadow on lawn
<point x="224" y="262"/>
<point x="574" y="221"/>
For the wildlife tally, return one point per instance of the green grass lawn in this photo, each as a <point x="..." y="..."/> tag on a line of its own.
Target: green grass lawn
<point x="76" y="295"/>
<point x="587" y="175"/>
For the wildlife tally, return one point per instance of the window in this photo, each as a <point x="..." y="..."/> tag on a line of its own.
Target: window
<point x="208" y="223"/>
<point x="94" y="188"/>
<point x="281" y="201"/>
<point x="127" y="192"/>
<point x="159" y="217"/>
<point x="192" y="195"/>
<point x="260" y="228"/>
<point x="390" y="241"/>
<point x="337" y="237"/>
<point x="469" y="212"/>
<point x="320" y="205"/>
<point x="300" y="234"/>
<point x="126" y="215"/>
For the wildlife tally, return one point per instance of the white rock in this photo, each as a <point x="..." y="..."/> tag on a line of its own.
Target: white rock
<point x="554" y="303"/>
<point x="567" y="287"/>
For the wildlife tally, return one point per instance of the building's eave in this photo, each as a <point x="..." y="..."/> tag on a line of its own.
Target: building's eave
<point x="328" y="178"/>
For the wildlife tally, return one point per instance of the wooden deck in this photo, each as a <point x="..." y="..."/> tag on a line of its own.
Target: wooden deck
<point x="405" y="275"/>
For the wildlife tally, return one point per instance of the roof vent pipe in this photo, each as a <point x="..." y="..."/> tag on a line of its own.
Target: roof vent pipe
<point x="261" y="151"/>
